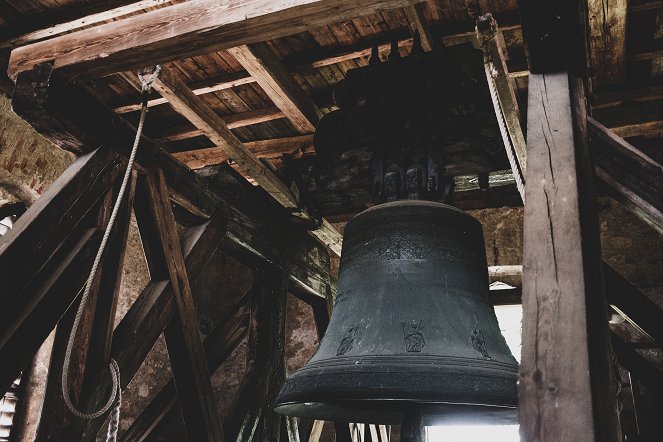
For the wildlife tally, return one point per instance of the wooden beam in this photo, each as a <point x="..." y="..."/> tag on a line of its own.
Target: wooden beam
<point x="233" y="121"/>
<point x="208" y="86"/>
<point x="272" y="148"/>
<point x="205" y="119"/>
<point x="272" y="76"/>
<point x="640" y="368"/>
<point x="607" y="41"/>
<point x="185" y="30"/>
<point x="633" y="119"/>
<point x="83" y="22"/>
<point x="634" y="178"/>
<point x="187" y="356"/>
<point x="417" y="23"/>
<point x="218" y="346"/>
<point x="566" y="384"/>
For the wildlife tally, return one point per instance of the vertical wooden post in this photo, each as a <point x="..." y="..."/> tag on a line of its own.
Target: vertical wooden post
<point x="567" y="390"/>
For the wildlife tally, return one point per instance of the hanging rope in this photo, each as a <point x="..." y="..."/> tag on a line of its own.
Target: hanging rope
<point x="116" y="391"/>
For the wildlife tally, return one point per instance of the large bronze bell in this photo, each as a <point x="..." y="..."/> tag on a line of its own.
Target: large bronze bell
<point x="412" y="326"/>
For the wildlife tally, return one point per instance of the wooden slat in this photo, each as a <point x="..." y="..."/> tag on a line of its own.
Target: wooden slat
<point x="607" y="41"/>
<point x="218" y="346"/>
<point x="565" y="383"/>
<point x="205" y="119"/>
<point x="640" y="368"/>
<point x="634" y="178"/>
<point x="272" y="148"/>
<point x="185" y="30"/>
<point x="272" y="76"/>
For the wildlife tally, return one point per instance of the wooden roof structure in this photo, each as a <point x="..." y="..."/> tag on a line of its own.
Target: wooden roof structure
<point x="244" y="83"/>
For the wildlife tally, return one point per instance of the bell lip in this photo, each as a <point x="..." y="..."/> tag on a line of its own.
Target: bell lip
<point x="391" y="411"/>
<point x="403" y="203"/>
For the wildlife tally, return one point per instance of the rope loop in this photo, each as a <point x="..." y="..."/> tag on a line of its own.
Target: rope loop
<point x="116" y="393"/>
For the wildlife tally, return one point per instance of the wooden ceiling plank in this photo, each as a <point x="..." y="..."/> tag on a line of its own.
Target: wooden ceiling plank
<point x="607" y="41"/>
<point x="272" y="76"/>
<point x="185" y="30"/>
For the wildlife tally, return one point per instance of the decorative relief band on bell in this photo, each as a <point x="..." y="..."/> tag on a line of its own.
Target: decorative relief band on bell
<point x="479" y="342"/>
<point x="414" y="339"/>
<point x="347" y="342"/>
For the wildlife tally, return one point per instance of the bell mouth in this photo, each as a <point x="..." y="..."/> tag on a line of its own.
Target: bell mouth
<point x="392" y="412"/>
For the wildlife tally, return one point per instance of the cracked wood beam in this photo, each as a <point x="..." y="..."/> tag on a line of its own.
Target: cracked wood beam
<point x="607" y="41"/>
<point x="417" y="24"/>
<point x="185" y="30"/>
<point x="566" y="384"/>
<point x="273" y="77"/>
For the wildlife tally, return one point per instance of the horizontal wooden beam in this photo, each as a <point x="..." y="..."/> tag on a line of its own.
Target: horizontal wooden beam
<point x="272" y="148"/>
<point x="275" y="80"/>
<point x="207" y="86"/>
<point x="83" y="22"/>
<point x="185" y="30"/>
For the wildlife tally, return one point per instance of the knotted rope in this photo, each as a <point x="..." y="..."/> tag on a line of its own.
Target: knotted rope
<point x="116" y="393"/>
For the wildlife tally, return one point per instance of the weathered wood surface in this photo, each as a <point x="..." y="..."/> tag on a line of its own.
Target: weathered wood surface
<point x="639" y="367"/>
<point x="565" y="383"/>
<point x="273" y="77"/>
<point x="186" y="30"/>
<point x="417" y="24"/>
<point x="185" y="349"/>
<point x="634" y="178"/>
<point x="218" y="346"/>
<point x="607" y="41"/>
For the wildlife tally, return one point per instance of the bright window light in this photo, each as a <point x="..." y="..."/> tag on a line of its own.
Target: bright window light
<point x="472" y="433"/>
<point x="509" y="318"/>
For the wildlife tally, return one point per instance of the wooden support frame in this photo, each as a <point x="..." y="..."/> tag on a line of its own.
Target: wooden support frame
<point x="417" y="24"/>
<point x="607" y="41"/>
<point x="273" y="77"/>
<point x="211" y="25"/>
<point x="185" y="349"/>
<point x="563" y="395"/>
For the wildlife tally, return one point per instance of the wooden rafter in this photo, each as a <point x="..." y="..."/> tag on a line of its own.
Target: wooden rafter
<point x="272" y="76"/>
<point x="200" y="27"/>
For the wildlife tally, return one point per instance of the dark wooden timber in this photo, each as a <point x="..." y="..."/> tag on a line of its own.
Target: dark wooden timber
<point x="635" y="179"/>
<point x="182" y="31"/>
<point x="218" y="346"/>
<point x="640" y="368"/>
<point x="638" y="309"/>
<point x="96" y="322"/>
<point x="566" y="385"/>
<point x="265" y="368"/>
<point x="187" y="357"/>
